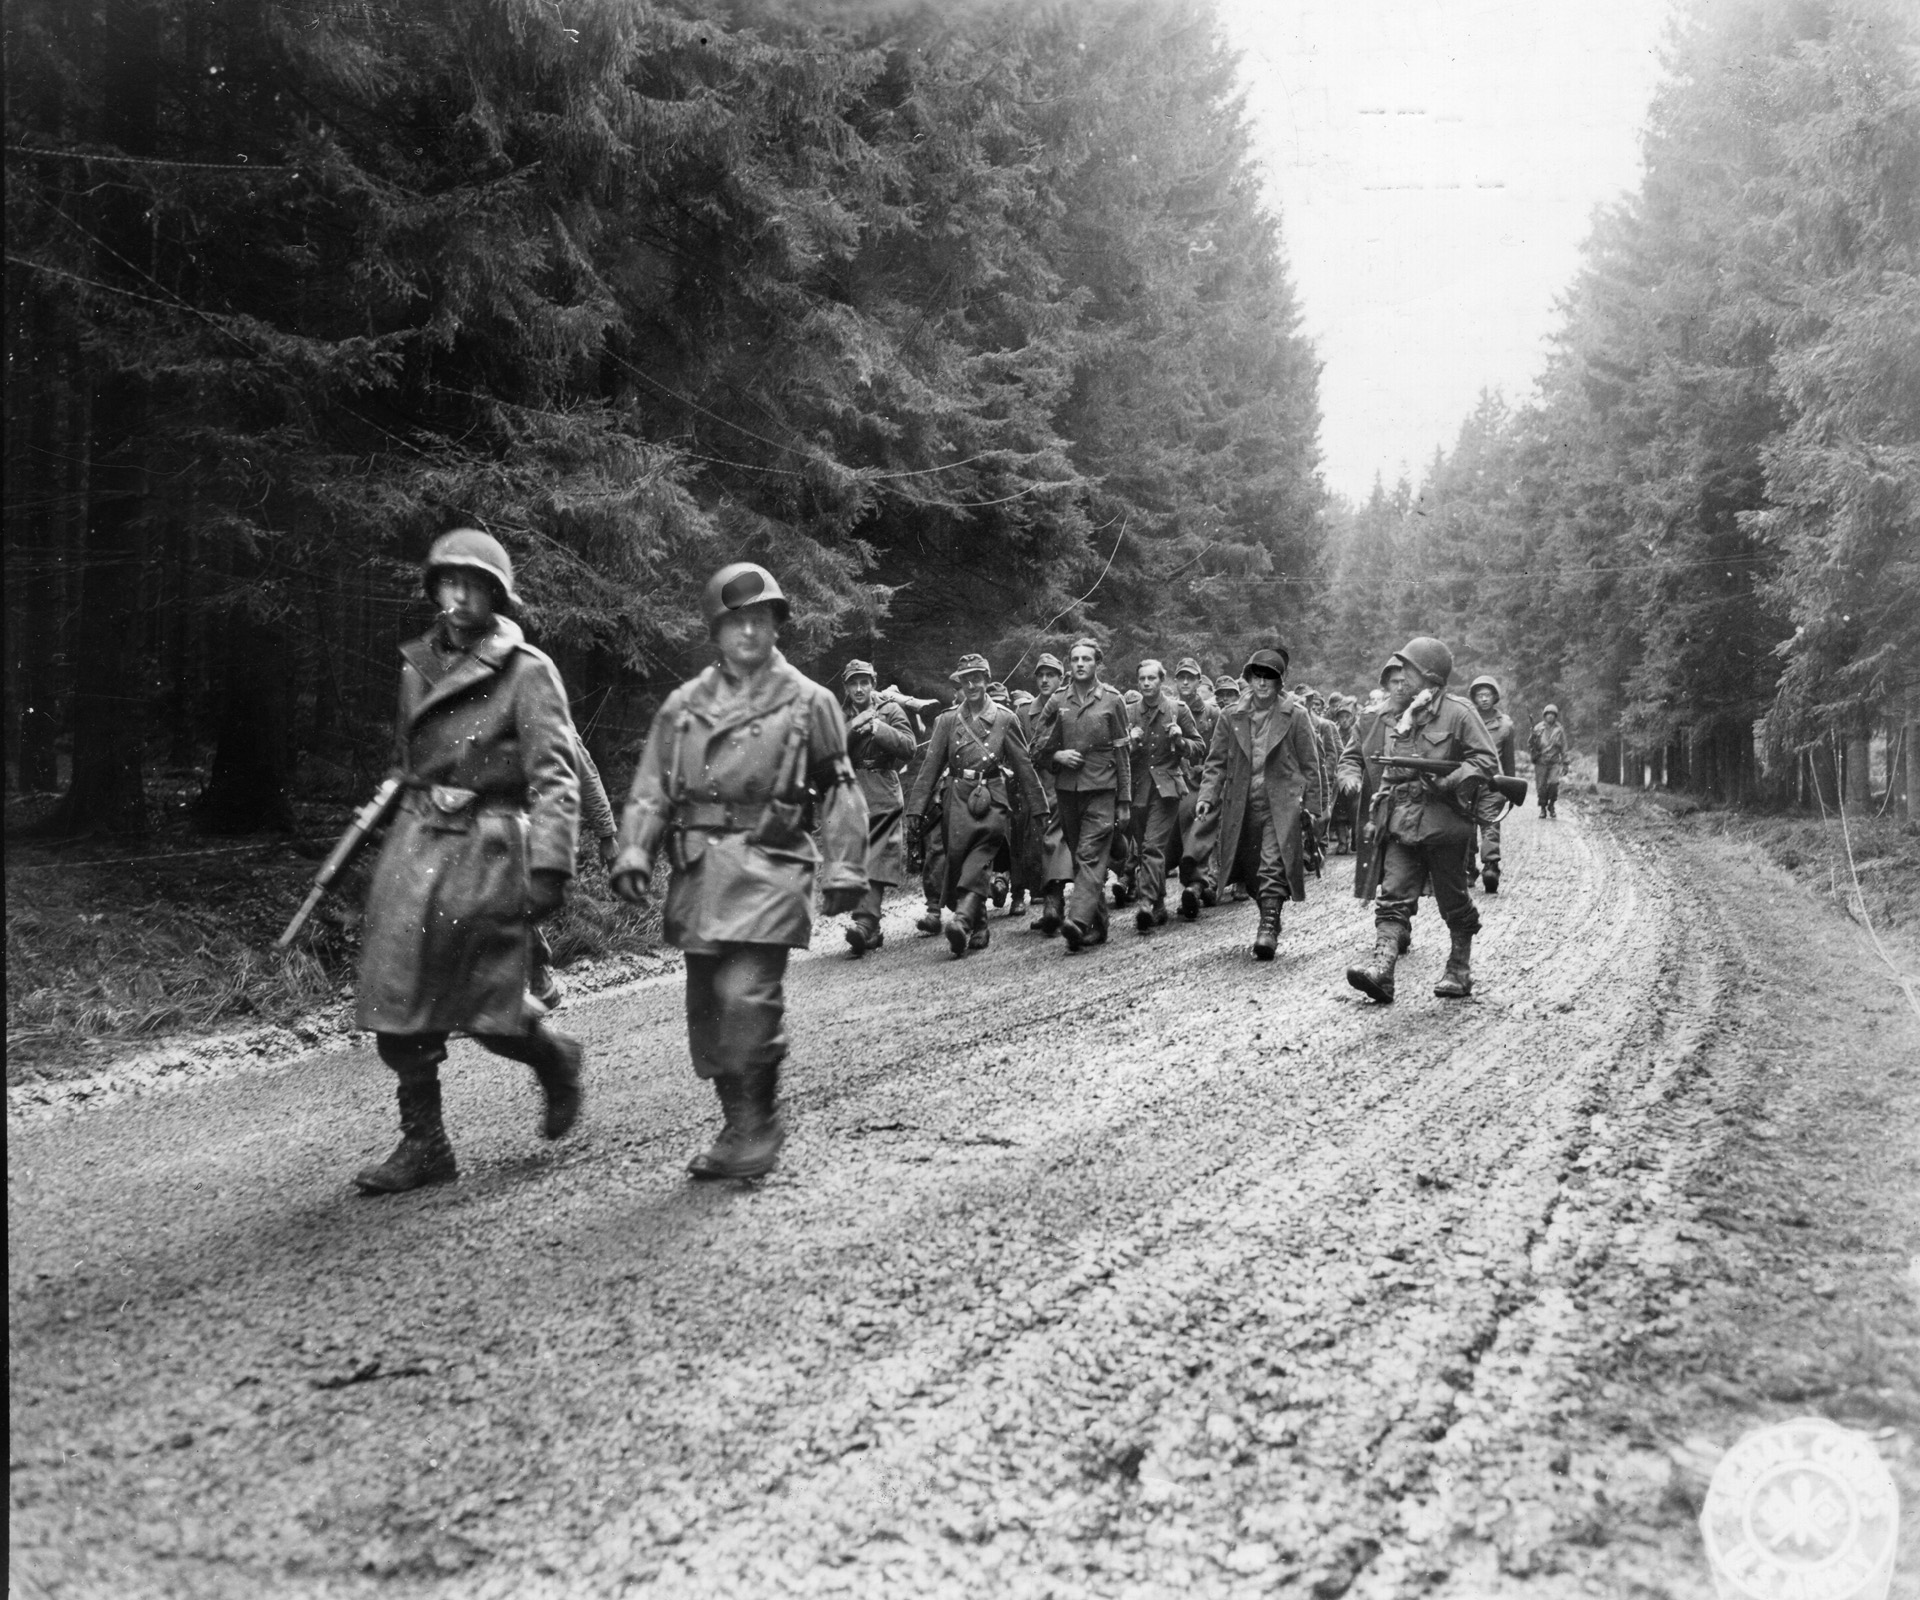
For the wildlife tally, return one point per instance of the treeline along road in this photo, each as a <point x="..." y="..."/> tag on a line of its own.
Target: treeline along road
<point x="1139" y="1271"/>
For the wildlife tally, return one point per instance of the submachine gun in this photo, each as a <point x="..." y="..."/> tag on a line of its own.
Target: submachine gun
<point x="344" y="853"/>
<point x="1511" y="790"/>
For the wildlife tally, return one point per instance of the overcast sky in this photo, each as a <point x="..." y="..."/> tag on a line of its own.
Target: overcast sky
<point x="1436" y="164"/>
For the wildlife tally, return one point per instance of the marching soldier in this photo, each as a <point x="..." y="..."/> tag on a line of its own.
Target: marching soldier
<point x="1262" y="774"/>
<point x="1548" y="747"/>
<point x="1420" y="828"/>
<point x="1226" y="692"/>
<point x="1342" y="712"/>
<point x="1046" y="862"/>
<point x="1484" y="691"/>
<point x="1086" y="742"/>
<point x="723" y="783"/>
<point x="482" y="845"/>
<point x="977" y="747"/>
<point x="1125" y="858"/>
<point x="1169" y="743"/>
<point x="880" y="743"/>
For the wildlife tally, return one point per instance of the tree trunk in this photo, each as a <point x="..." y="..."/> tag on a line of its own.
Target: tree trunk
<point x="1912" y="732"/>
<point x="1859" y="774"/>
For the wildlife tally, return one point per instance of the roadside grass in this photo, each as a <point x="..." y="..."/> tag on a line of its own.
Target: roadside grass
<point x="117" y="944"/>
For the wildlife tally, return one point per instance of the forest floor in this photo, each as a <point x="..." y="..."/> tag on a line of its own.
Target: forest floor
<point x="1137" y="1272"/>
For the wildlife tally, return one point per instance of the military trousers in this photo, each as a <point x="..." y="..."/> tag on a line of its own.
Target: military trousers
<point x="1263" y="861"/>
<point x="416" y="1057"/>
<point x="1205" y="878"/>
<point x="1158" y="822"/>
<point x="736" y="1008"/>
<point x="1442" y="862"/>
<point x="1490" y="843"/>
<point x="1086" y="827"/>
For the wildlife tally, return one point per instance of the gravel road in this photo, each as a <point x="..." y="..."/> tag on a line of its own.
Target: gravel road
<point x="1138" y="1272"/>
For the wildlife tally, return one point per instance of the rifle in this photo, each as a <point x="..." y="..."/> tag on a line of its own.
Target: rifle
<point x="351" y="843"/>
<point x="1512" y="790"/>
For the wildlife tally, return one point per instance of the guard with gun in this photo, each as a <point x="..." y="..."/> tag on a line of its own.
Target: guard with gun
<point x="736" y="760"/>
<point x="979" y="750"/>
<point x="1491" y="805"/>
<point x="482" y="844"/>
<point x="1086" y="742"/>
<point x="880" y="743"/>
<point x="1426" y="756"/>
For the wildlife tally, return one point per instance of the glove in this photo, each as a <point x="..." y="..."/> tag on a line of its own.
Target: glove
<point x="836" y="902"/>
<point x="636" y="888"/>
<point x="546" y="892"/>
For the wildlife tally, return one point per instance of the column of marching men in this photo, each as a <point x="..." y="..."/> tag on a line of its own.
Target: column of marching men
<point x="769" y="799"/>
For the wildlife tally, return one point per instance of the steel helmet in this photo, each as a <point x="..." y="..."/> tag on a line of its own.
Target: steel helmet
<point x="472" y="551"/>
<point x="739" y="585"/>
<point x="1488" y="681"/>
<point x="1429" y="656"/>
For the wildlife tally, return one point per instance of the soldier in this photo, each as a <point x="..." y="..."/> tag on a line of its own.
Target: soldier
<point x="1548" y="747"/>
<point x="1262" y="774"/>
<point x="1484" y="691"/>
<point x="977" y="747"/>
<point x="482" y="844"/>
<point x="1226" y="692"/>
<point x="724" y="781"/>
<point x="880" y="744"/>
<point x="1342" y="712"/>
<point x="1169" y="743"/>
<point x="1086" y="743"/>
<point x="1421" y="825"/>
<point x="1125" y="857"/>
<point x="1046" y="863"/>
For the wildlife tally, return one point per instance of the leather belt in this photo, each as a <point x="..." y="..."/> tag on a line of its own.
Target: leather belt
<point x="975" y="774"/>
<point x="720" y="816"/>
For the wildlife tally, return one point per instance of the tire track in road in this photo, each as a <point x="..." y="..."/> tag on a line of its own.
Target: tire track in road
<point x="1145" y="1266"/>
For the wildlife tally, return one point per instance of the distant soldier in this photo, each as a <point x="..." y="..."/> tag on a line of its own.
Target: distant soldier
<point x="979" y="749"/>
<point x="597" y="821"/>
<point x="1086" y="741"/>
<point x="1484" y="691"/>
<point x="1125" y="858"/>
<point x="1262" y="774"/>
<point x="880" y="744"/>
<point x="1169" y="744"/>
<point x="1190" y="684"/>
<point x="483" y="843"/>
<point x="1226" y="692"/>
<point x="1045" y="863"/>
<point x="732" y="760"/>
<point x="1548" y="747"/>
<point x="1422" y="824"/>
<point x="1342" y="712"/>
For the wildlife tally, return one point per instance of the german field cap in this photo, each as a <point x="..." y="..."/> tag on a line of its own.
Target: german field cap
<point x="858" y="669"/>
<point x="1188" y="664"/>
<point x="969" y="665"/>
<point x="1226" y="685"/>
<point x="997" y="690"/>
<point x="1049" y="663"/>
<point x="1272" y="662"/>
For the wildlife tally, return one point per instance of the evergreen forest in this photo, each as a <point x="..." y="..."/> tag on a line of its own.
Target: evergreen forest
<point x="974" y="322"/>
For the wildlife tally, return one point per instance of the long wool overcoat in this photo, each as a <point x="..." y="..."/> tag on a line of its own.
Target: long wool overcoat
<point x="880" y="744"/>
<point x="485" y="745"/>
<point x="961" y="744"/>
<point x="1292" y="782"/>
<point x="715" y="755"/>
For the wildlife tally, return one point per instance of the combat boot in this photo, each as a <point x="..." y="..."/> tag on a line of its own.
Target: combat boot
<point x="1490" y="877"/>
<point x="1002" y="886"/>
<point x="1374" y="978"/>
<point x="1267" y="941"/>
<point x="750" y="1141"/>
<point x="556" y="1060"/>
<point x="423" y="1155"/>
<point x="1053" y="911"/>
<point x="1456" y="983"/>
<point x="1190" y="904"/>
<point x="1018" y="903"/>
<point x="1147" y="918"/>
<point x="969" y="914"/>
<point x="933" y="921"/>
<point x="864" y="934"/>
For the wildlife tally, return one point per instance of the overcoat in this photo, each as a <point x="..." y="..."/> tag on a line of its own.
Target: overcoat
<point x="717" y="755"/>
<point x="880" y="744"/>
<point x="1169" y="741"/>
<point x="1040" y="852"/>
<point x="485" y="746"/>
<point x="988" y="754"/>
<point x="1292" y="783"/>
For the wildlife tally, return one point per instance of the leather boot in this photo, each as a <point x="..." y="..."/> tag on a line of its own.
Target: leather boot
<point x="556" y="1061"/>
<point x="962" y="920"/>
<point x="932" y="921"/>
<point x="1002" y="887"/>
<point x="1190" y="904"/>
<point x="1267" y="941"/>
<point x="1374" y="977"/>
<point x="863" y="934"/>
<point x="1490" y="877"/>
<point x="1018" y="903"/>
<point x="1053" y="911"/>
<point x="1456" y="983"/>
<point x="750" y="1142"/>
<point x="423" y="1154"/>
